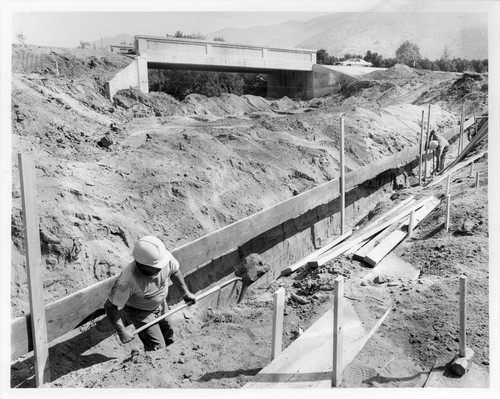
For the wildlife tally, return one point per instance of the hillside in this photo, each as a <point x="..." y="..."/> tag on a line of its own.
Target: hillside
<point x="465" y="35"/>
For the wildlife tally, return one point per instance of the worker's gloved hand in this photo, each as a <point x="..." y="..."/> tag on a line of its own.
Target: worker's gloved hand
<point x="125" y="336"/>
<point x="189" y="298"/>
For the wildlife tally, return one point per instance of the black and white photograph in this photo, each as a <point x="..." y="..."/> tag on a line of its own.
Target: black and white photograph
<point x="287" y="199"/>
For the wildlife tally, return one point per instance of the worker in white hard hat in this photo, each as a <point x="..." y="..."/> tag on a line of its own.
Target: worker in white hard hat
<point x="140" y="292"/>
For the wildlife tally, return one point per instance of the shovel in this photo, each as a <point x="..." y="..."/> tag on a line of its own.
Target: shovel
<point x="172" y="311"/>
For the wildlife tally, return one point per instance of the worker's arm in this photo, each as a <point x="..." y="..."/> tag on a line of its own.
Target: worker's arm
<point x="116" y="321"/>
<point x="178" y="280"/>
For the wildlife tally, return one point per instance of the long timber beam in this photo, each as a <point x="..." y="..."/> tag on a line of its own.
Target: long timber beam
<point x="68" y="312"/>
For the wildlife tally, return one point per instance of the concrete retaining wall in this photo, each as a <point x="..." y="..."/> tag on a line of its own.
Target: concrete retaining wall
<point x="127" y="78"/>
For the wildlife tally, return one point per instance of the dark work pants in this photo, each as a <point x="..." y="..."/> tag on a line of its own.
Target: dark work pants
<point x="159" y="335"/>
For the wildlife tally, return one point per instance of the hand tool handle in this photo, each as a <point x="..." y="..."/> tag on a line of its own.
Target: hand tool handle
<point x="172" y="311"/>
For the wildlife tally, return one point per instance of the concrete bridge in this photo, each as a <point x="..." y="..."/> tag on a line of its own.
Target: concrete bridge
<point x="291" y="72"/>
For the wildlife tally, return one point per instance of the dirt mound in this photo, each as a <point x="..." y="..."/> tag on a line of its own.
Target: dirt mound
<point x="468" y="83"/>
<point x="398" y="71"/>
<point x="158" y="104"/>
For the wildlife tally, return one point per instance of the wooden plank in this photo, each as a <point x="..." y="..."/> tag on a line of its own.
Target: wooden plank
<point x="376" y="220"/>
<point x="447" y="216"/>
<point x="462" y="341"/>
<point x="420" y="152"/>
<point x="278" y="311"/>
<point x="427" y="140"/>
<point x="380" y="251"/>
<point x="411" y="224"/>
<point x="462" y="131"/>
<point x="342" y="177"/>
<point x="481" y="135"/>
<point x="477" y="178"/>
<point x="290" y="269"/>
<point x="373" y="242"/>
<point x="66" y="313"/>
<point x="448" y="184"/>
<point x="307" y="362"/>
<point x="33" y="262"/>
<point x="367" y="233"/>
<point x="62" y="316"/>
<point x="338" y="303"/>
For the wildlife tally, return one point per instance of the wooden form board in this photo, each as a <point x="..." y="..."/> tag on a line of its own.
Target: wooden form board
<point x="307" y="362"/>
<point x="381" y="250"/>
<point x="367" y="233"/>
<point x="278" y="313"/>
<point x="338" y="330"/>
<point x="66" y="313"/>
<point x="33" y="262"/>
<point x="376" y="220"/>
<point x="315" y="254"/>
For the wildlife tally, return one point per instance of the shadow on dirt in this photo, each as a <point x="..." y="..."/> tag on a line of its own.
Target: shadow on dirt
<point x="65" y="357"/>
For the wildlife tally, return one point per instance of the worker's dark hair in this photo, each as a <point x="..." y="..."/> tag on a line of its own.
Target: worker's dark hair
<point x="433" y="131"/>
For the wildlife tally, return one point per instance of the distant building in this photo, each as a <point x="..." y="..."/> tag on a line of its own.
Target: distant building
<point x="121" y="48"/>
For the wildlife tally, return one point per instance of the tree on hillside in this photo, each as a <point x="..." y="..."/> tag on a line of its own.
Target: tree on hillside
<point x="374" y="58"/>
<point x="219" y="39"/>
<point x="180" y="34"/>
<point x="84" y="44"/>
<point x="349" y="55"/>
<point x="408" y="53"/>
<point x="446" y="54"/>
<point x="322" y="56"/>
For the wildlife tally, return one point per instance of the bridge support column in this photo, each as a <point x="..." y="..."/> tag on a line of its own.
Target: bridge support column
<point x="142" y="71"/>
<point x="293" y="84"/>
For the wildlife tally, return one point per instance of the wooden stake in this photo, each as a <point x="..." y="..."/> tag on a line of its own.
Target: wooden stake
<point x="448" y="207"/>
<point x="475" y="120"/>
<point x="463" y="315"/>
<point x="337" y="330"/>
<point x="342" y="177"/>
<point x="477" y="178"/>
<point x="448" y="184"/>
<point x="33" y="259"/>
<point x="421" y="150"/>
<point x="279" y="307"/>
<point x="427" y="140"/>
<point x="411" y="224"/>
<point x="462" y="130"/>
<point x="471" y="169"/>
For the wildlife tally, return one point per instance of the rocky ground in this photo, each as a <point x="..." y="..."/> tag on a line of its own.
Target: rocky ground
<point x="183" y="169"/>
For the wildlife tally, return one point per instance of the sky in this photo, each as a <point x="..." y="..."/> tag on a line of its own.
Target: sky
<point x="65" y="23"/>
<point x="66" y="29"/>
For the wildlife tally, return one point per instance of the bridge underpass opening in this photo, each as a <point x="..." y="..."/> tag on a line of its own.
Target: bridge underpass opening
<point x="181" y="81"/>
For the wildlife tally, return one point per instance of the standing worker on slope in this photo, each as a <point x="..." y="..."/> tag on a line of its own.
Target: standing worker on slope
<point x="140" y="292"/>
<point x="441" y="149"/>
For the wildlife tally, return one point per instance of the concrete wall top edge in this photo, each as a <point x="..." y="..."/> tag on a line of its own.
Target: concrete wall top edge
<point x="218" y="43"/>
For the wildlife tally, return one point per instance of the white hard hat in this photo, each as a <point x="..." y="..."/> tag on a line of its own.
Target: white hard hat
<point x="150" y="251"/>
<point x="433" y="144"/>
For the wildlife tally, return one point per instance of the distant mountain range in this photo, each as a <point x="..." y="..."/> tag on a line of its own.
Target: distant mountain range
<point x="463" y="35"/>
